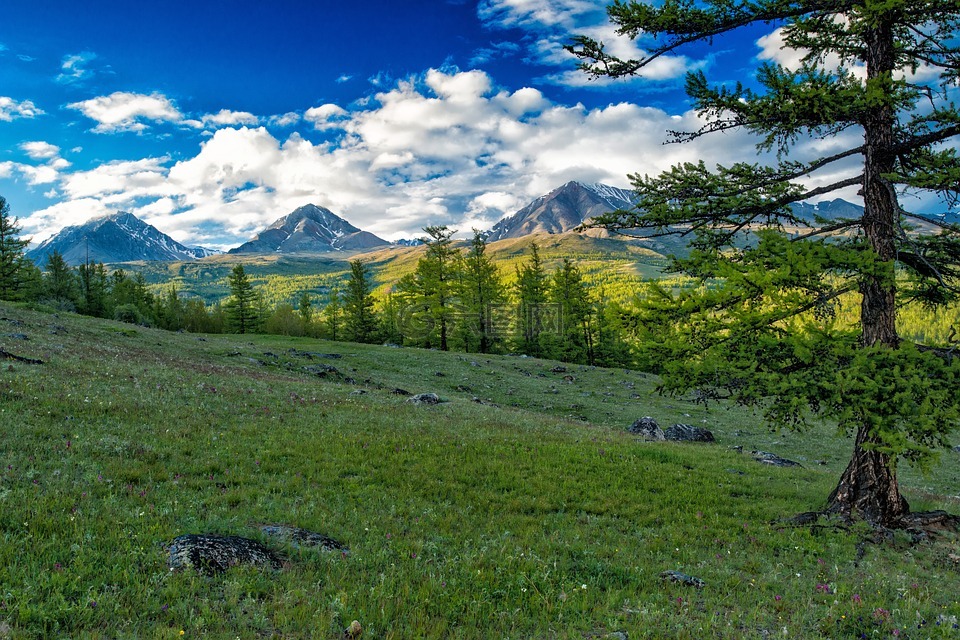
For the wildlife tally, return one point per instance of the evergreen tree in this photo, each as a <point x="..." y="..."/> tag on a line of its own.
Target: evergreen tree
<point x="14" y="275"/>
<point x="761" y="332"/>
<point x="333" y="316"/>
<point x="480" y="291"/>
<point x="359" y="319"/>
<point x="60" y="286"/>
<point x="430" y="289"/>
<point x="94" y="289"/>
<point x="241" y="307"/>
<point x="574" y="341"/>
<point x="305" y="312"/>
<point x="531" y="289"/>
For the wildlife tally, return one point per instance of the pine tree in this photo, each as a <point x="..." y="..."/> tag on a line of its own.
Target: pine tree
<point x="480" y="291"/>
<point x="574" y="340"/>
<point x="359" y="319"/>
<point x="333" y="316"/>
<point x="531" y="289"/>
<point x="60" y="285"/>
<point x="241" y="307"/>
<point x="761" y="333"/>
<point x="430" y="290"/>
<point x="14" y="276"/>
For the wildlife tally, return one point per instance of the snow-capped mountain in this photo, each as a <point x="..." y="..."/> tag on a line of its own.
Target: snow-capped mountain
<point x="827" y="210"/>
<point x="310" y="229"/>
<point x="561" y="210"/>
<point x="118" y="237"/>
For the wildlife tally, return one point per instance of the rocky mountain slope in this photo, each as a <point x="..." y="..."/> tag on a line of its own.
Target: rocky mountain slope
<point x="311" y="229"/>
<point x="118" y="237"/>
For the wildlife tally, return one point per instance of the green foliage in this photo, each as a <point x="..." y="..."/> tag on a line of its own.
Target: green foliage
<point x="359" y="321"/>
<point x="481" y="292"/>
<point x="60" y="286"/>
<point x="241" y="307"/>
<point x="17" y="275"/>
<point x="429" y="292"/>
<point x="746" y="332"/>
<point x="531" y="291"/>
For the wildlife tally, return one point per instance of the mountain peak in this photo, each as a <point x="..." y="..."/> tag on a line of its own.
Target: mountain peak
<point x="115" y="237"/>
<point x="310" y="229"/>
<point x="563" y="209"/>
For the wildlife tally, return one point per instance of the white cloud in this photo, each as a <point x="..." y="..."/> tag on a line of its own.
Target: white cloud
<point x="325" y="116"/>
<point x="443" y="148"/>
<point x="123" y="111"/>
<point x="344" y="78"/>
<point x="73" y="67"/>
<point x="10" y="109"/>
<point x="39" y="150"/>
<point x="284" y="119"/>
<point x="223" y="118"/>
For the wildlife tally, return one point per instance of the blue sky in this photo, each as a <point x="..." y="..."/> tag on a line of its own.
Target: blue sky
<point x="211" y="119"/>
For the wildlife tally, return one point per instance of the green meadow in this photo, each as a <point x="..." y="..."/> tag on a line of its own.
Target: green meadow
<point x="520" y="507"/>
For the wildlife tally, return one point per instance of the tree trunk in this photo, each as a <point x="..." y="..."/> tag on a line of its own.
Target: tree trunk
<point x="868" y="487"/>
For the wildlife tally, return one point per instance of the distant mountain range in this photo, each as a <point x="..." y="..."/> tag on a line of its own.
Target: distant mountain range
<point x="118" y="237"/>
<point x="122" y="237"/>
<point x="311" y="229"/>
<point x="563" y="209"/>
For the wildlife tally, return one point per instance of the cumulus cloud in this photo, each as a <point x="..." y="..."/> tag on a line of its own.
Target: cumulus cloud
<point x="223" y="118"/>
<point x="325" y="116"/>
<point x="73" y="67"/>
<point x="123" y="111"/>
<point x="10" y="109"/>
<point x="39" y="150"/>
<point x="442" y="148"/>
<point x="284" y="119"/>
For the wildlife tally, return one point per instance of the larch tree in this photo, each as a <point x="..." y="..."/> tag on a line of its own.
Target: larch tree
<point x="430" y="289"/>
<point x="13" y="264"/>
<point x="359" y="319"/>
<point x="881" y="75"/>
<point x="241" y="307"/>
<point x="480" y="290"/>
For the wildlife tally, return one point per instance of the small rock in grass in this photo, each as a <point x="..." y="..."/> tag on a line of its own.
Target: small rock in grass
<point x="425" y="398"/>
<point x="358" y="392"/>
<point x="400" y="392"/>
<point x="682" y="578"/>
<point x="210" y="554"/>
<point x="765" y="457"/>
<point x="648" y="428"/>
<point x="19" y="336"/>
<point x="688" y="433"/>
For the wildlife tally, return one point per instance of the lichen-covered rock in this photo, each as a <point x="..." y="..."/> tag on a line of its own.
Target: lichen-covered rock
<point x="648" y="428"/>
<point x="765" y="457"/>
<point x="682" y="578"/>
<point x="688" y="433"/>
<point x="304" y="538"/>
<point x="209" y="553"/>
<point x="425" y="398"/>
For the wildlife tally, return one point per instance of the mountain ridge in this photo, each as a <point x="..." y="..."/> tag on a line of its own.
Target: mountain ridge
<point x="115" y="237"/>
<point x="310" y="229"/>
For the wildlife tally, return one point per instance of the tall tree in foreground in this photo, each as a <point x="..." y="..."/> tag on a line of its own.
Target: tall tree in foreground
<point x="13" y="264"/>
<point x="760" y="334"/>
<point x="431" y="288"/>
<point x="531" y="289"/>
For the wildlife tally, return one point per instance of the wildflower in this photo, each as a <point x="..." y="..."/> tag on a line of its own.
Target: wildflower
<point x="856" y="598"/>
<point x="778" y="597"/>
<point x="584" y="587"/>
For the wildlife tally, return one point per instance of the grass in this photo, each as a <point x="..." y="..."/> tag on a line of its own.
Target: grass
<point x="531" y="514"/>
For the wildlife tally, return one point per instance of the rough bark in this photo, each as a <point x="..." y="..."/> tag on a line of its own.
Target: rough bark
<point x="868" y="487"/>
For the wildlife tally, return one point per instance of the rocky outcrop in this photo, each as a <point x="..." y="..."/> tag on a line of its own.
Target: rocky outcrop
<point x="688" y="433"/>
<point x="210" y="554"/>
<point x="648" y="428"/>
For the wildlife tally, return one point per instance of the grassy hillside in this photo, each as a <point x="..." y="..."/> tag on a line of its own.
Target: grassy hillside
<point x="518" y="508"/>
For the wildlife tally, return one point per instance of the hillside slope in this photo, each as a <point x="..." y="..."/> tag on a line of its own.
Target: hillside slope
<point x="519" y="507"/>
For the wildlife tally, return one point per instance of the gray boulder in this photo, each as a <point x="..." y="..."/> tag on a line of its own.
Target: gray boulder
<point x="208" y="553"/>
<point x="425" y="398"/>
<point x="765" y="457"/>
<point x="648" y="428"/>
<point x="688" y="433"/>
